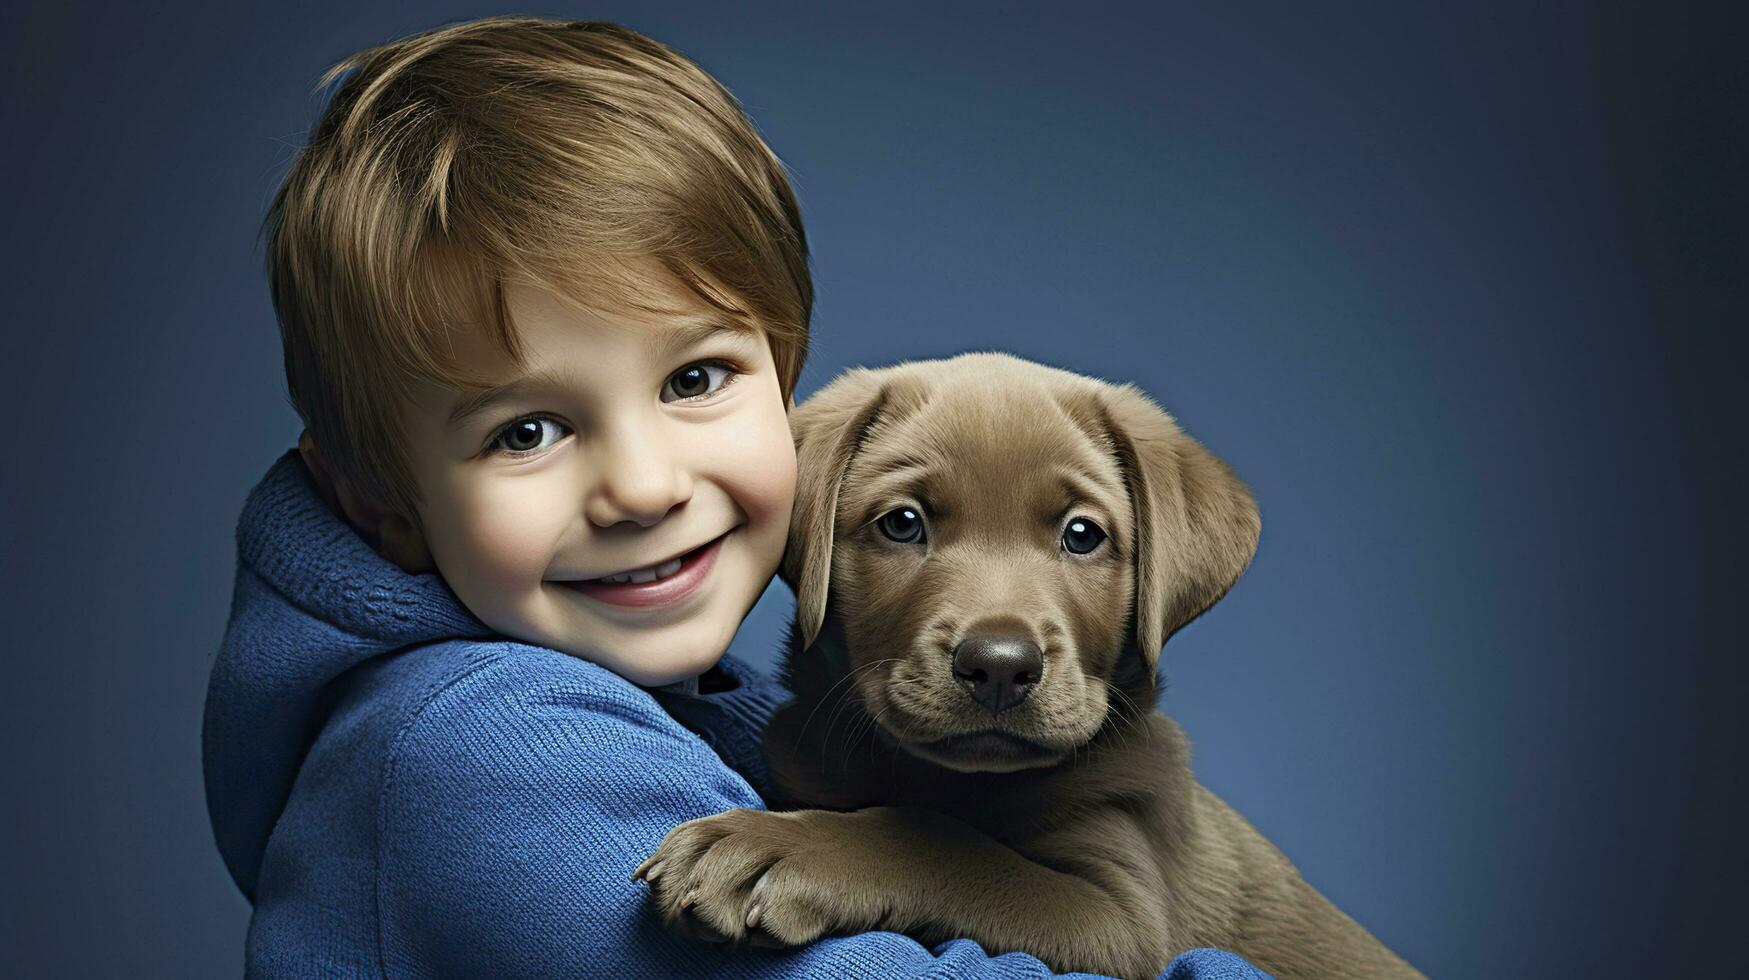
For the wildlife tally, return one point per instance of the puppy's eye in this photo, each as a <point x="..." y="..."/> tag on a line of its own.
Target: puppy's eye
<point x="903" y="525"/>
<point x="1082" y="536"/>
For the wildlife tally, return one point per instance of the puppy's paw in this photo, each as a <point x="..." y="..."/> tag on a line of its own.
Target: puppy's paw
<point x="769" y="879"/>
<point x="702" y="875"/>
<point x="808" y="894"/>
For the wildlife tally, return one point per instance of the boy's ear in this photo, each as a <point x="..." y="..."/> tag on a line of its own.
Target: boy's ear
<point x="389" y="533"/>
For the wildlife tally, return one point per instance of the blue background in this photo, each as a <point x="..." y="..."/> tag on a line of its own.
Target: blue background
<point x="1449" y="284"/>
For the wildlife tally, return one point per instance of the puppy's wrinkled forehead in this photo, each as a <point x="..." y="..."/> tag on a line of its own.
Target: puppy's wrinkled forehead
<point x="983" y="454"/>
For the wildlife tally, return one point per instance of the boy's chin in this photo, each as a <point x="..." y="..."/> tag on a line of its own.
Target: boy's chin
<point x="665" y="678"/>
<point x="664" y="664"/>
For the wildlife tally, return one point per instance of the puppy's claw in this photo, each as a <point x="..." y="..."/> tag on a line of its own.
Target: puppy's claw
<point x="690" y="897"/>
<point x="646" y="870"/>
<point x="753" y="916"/>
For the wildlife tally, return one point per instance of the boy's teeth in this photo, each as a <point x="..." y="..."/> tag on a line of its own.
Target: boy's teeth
<point x="650" y="574"/>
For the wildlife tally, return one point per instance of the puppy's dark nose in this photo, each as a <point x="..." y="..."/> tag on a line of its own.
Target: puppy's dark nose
<point x="998" y="671"/>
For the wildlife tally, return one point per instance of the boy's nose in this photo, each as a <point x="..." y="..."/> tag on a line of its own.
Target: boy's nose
<point x="638" y="482"/>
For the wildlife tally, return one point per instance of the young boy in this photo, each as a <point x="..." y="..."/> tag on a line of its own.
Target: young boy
<point x="544" y="297"/>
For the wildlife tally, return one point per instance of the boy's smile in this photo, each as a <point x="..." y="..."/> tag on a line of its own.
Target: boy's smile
<point x="661" y="584"/>
<point x="624" y="495"/>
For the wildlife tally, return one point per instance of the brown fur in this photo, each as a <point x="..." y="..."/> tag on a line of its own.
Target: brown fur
<point x="1094" y="849"/>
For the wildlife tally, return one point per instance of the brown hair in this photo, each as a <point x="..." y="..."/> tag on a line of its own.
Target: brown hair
<point x="511" y="149"/>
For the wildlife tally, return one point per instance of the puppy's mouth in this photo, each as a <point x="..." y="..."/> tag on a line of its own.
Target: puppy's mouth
<point x="989" y="750"/>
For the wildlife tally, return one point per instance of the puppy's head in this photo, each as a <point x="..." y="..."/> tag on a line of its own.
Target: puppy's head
<point x="992" y="534"/>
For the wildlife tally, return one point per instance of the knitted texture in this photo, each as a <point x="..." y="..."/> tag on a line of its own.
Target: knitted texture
<point x="400" y="792"/>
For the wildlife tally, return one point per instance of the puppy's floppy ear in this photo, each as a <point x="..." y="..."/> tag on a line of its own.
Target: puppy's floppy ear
<point x="1196" y="523"/>
<point x="828" y="429"/>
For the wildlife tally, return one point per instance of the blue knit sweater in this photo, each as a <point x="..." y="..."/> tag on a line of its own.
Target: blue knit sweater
<point x="400" y="792"/>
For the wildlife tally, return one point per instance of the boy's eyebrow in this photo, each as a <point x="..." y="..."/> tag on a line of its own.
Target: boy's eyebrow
<point x="485" y="398"/>
<point x="692" y="331"/>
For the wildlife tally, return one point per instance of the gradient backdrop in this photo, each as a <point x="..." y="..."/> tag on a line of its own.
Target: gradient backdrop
<point x="1449" y="284"/>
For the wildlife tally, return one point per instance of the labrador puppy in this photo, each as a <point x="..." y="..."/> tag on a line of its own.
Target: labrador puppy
<point x="987" y="556"/>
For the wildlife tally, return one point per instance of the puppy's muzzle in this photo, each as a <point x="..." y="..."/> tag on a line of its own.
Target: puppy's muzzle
<point x="998" y="671"/>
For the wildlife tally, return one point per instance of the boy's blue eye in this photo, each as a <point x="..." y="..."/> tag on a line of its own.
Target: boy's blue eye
<point x="529" y="434"/>
<point x="701" y="380"/>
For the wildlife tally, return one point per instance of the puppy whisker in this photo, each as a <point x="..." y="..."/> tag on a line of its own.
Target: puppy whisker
<point x="843" y="700"/>
<point x="1131" y="720"/>
<point x="847" y="678"/>
<point x="859" y="730"/>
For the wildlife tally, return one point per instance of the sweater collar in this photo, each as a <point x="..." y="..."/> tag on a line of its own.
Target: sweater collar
<point x="290" y="537"/>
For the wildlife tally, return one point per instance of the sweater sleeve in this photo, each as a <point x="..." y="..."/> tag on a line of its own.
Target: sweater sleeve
<point x="516" y="804"/>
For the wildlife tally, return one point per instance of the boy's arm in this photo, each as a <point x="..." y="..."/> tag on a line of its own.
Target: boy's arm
<point x="515" y="807"/>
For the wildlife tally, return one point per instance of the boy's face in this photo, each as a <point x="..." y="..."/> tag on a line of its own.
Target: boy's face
<point x="623" y="444"/>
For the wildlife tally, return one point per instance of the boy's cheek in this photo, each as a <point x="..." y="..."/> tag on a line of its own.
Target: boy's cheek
<point x="762" y="472"/>
<point x="498" y="539"/>
<point x="771" y="459"/>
